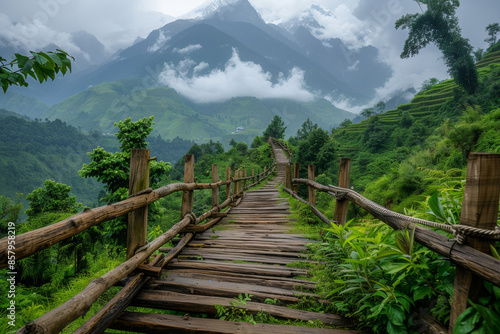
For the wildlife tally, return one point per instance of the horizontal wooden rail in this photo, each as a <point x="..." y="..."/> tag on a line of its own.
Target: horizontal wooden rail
<point x="34" y="241"/>
<point x="479" y="263"/>
<point x="55" y="320"/>
<point x="313" y="208"/>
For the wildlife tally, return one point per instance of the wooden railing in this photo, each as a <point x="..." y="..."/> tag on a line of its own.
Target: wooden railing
<point x="478" y="219"/>
<point x="138" y="250"/>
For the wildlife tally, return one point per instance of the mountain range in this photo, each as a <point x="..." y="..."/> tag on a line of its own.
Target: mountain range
<point x="179" y="73"/>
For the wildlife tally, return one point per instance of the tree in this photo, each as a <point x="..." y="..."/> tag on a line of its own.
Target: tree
<point x="478" y="54"/>
<point x="276" y="129"/>
<point x="368" y="112"/>
<point x="40" y="66"/>
<point x="492" y="30"/>
<point x="309" y="149"/>
<point x="257" y="141"/>
<point x="112" y="169"/>
<point x="380" y="107"/>
<point x="242" y="148"/>
<point x="345" y="123"/>
<point x="427" y="84"/>
<point x="54" y="198"/>
<point x="306" y="128"/>
<point x="439" y="25"/>
<point x="233" y="142"/>
<point x="9" y="212"/>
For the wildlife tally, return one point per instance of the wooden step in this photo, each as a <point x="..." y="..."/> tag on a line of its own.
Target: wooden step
<point x="165" y="323"/>
<point x="205" y="304"/>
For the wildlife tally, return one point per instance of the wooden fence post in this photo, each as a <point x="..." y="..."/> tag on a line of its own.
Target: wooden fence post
<point x="253" y="176"/>
<point x="341" y="206"/>
<point x="187" y="195"/>
<point x="236" y="183"/>
<point x="479" y="209"/>
<point x="310" y="176"/>
<point x="244" y="175"/>
<point x="215" y="191"/>
<point x="137" y="220"/>
<point x="296" y="175"/>
<point x="228" y="177"/>
<point x="288" y="177"/>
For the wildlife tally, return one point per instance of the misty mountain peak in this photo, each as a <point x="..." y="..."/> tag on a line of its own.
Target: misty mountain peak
<point x="309" y="19"/>
<point x="227" y="10"/>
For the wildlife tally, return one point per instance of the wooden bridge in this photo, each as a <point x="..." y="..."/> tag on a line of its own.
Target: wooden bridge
<point x="243" y="251"/>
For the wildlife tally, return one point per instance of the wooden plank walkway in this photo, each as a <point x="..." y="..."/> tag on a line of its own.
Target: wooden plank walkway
<point x="246" y="253"/>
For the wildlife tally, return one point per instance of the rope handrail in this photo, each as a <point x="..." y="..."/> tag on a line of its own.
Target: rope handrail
<point x="459" y="231"/>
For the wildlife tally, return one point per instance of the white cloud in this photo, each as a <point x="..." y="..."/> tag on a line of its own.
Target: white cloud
<point x="162" y="39"/>
<point x="237" y="79"/>
<point x="21" y="35"/>
<point x="188" y="49"/>
<point x="351" y="30"/>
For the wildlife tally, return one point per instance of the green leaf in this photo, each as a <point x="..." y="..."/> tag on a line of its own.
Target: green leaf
<point x="395" y="314"/>
<point x="494" y="252"/>
<point x="55" y="58"/>
<point x="465" y="321"/>
<point x="49" y="64"/>
<point x="21" y="60"/>
<point x="393" y="268"/>
<point x="491" y="318"/>
<point x="393" y="329"/>
<point x="436" y="207"/>
<point x="422" y="292"/>
<point x="28" y="67"/>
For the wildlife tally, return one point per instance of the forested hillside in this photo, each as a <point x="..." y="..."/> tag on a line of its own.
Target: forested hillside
<point x="33" y="151"/>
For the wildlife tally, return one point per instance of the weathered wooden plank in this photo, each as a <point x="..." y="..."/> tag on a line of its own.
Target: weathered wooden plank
<point x="191" y="251"/>
<point x="233" y="257"/>
<point x="278" y="282"/>
<point x="235" y="274"/>
<point x="254" y="245"/>
<point x="164" y="323"/>
<point x="227" y="289"/>
<point x="205" y="304"/>
<point x="241" y="268"/>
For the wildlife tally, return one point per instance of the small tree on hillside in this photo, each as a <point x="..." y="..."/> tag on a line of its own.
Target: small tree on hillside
<point x="112" y="169"/>
<point x="492" y="30"/>
<point x="276" y="129"/>
<point x="54" y="198"/>
<point x="306" y="128"/>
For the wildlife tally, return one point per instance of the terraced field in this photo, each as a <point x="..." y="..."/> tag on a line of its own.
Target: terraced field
<point x="429" y="101"/>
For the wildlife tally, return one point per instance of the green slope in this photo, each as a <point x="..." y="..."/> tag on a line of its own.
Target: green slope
<point x="23" y="105"/>
<point x="101" y="106"/>
<point x="430" y="101"/>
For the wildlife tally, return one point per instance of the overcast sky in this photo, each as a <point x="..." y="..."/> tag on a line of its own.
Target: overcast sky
<point x="117" y="23"/>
